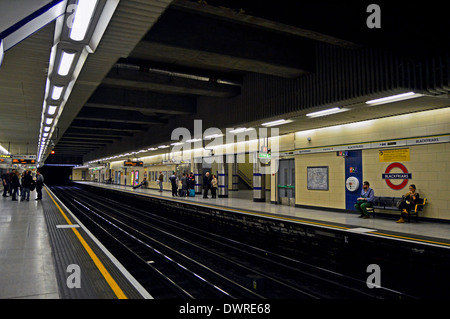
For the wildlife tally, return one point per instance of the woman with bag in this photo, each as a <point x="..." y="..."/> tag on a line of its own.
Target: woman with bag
<point x="409" y="203"/>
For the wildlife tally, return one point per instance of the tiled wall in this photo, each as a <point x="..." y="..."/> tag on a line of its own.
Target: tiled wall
<point x="428" y="164"/>
<point x="335" y="196"/>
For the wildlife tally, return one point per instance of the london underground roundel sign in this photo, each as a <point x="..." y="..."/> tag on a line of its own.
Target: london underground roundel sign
<point x="404" y="176"/>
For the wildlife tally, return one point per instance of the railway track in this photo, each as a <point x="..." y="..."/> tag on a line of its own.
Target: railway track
<point x="173" y="260"/>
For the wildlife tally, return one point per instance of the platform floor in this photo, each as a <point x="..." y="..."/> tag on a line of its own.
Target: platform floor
<point x="26" y="262"/>
<point x="39" y="240"/>
<point x="426" y="232"/>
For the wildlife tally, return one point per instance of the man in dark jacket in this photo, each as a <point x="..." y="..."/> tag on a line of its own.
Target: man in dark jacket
<point x="39" y="185"/>
<point x="206" y="184"/>
<point x="173" y="179"/>
<point x="15" y="184"/>
<point x="26" y="186"/>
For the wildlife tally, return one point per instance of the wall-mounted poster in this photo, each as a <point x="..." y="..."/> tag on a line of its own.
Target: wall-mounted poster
<point x="317" y="178"/>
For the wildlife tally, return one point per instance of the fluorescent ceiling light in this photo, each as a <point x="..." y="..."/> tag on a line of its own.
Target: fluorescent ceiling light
<point x="51" y="110"/>
<point x="47" y="128"/>
<point x="325" y="112"/>
<point x="3" y="150"/>
<point x="193" y="140"/>
<point x="238" y="130"/>
<point x="82" y="19"/>
<point x="152" y="149"/>
<point x="65" y="63"/>
<point x="394" y="98"/>
<point x="213" y="136"/>
<point x="163" y="146"/>
<point x="49" y="121"/>
<point x="277" y="122"/>
<point x="177" y="143"/>
<point x="57" y="90"/>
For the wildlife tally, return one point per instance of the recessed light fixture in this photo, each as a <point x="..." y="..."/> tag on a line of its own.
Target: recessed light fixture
<point x="65" y="63"/>
<point x="333" y="110"/>
<point x="47" y="129"/>
<point x="49" y="121"/>
<point x="57" y="90"/>
<point x="82" y="19"/>
<point x="394" y="98"/>
<point x="51" y="110"/>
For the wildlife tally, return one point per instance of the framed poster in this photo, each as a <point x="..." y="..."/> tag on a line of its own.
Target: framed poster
<point x="317" y="178"/>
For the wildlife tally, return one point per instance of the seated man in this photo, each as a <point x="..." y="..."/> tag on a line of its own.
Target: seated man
<point x="366" y="200"/>
<point x="143" y="183"/>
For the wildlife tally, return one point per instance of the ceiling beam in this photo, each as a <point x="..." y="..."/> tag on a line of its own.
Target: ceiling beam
<point x="121" y="116"/>
<point x="86" y="124"/>
<point x="169" y="83"/>
<point x="142" y="101"/>
<point x="220" y="45"/>
<point x="95" y="133"/>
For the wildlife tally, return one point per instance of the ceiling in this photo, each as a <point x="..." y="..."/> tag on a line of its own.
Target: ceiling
<point x="156" y="60"/>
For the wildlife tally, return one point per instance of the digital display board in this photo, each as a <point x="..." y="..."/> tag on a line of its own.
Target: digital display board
<point x="129" y="163"/>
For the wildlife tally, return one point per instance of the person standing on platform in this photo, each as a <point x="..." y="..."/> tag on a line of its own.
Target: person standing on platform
<point x="15" y="184"/>
<point x="174" y="182"/>
<point x="5" y="183"/>
<point x="39" y="185"/>
<point x="365" y="201"/>
<point x="191" y="185"/>
<point x="184" y="186"/>
<point x="161" y="180"/>
<point x="206" y="184"/>
<point x="213" y="186"/>
<point x="26" y="185"/>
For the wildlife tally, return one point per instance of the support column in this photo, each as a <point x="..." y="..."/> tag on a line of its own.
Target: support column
<point x="259" y="181"/>
<point x="222" y="178"/>
<point x="198" y="168"/>
<point x="235" y="176"/>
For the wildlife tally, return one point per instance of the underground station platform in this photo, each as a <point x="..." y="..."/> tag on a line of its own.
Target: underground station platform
<point x="52" y="249"/>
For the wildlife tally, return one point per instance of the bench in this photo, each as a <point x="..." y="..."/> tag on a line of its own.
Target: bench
<point x="390" y="203"/>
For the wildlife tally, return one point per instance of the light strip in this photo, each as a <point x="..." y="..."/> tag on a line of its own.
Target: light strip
<point x="65" y="63"/>
<point x="57" y="90"/>
<point x="4" y="150"/>
<point x="51" y="110"/>
<point x="238" y="130"/>
<point x="394" y="98"/>
<point x="325" y="112"/>
<point x="277" y="122"/>
<point x="82" y="19"/>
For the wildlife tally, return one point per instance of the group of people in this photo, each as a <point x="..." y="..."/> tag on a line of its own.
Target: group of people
<point x="17" y="185"/>
<point x="367" y="199"/>
<point x="185" y="186"/>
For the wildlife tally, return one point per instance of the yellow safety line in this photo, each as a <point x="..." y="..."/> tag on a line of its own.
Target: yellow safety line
<point x="410" y="238"/>
<point x="112" y="283"/>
